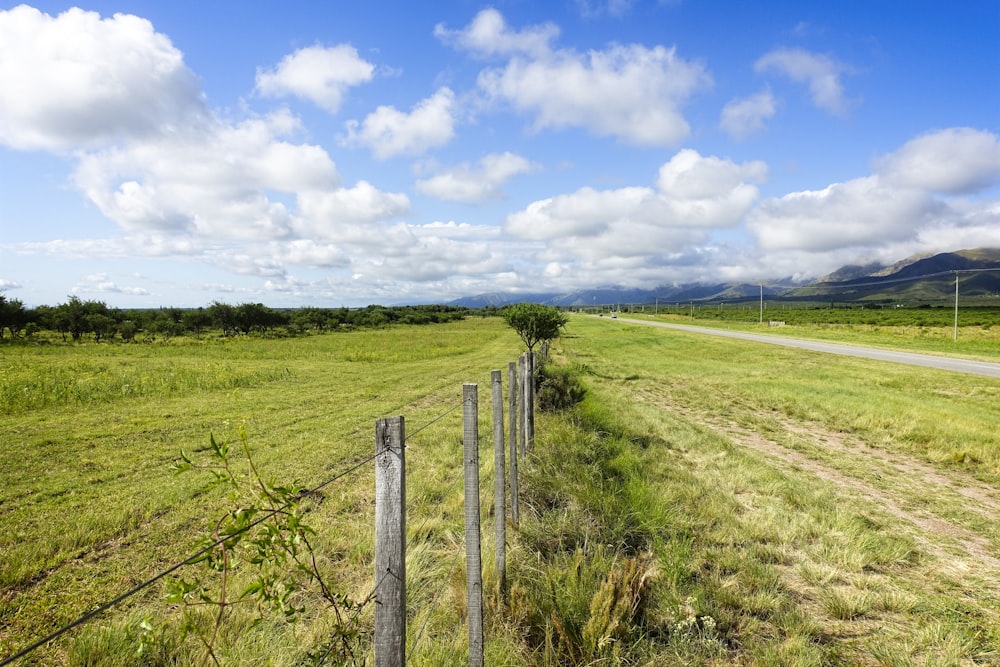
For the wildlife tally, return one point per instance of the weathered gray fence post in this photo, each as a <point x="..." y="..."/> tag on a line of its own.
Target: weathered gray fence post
<point x="499" y="482"/>
<point x="529" y="403"/>
<point x="390" y="543"/>
<point x="473" y="556"/>
<point x="522" y="365"/>
<point x="512" y="408"/>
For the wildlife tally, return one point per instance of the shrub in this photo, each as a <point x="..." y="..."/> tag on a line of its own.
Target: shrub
<point x="559" y="389"/>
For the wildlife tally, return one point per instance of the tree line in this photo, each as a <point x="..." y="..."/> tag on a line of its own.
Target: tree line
<point x="79" y="319"/>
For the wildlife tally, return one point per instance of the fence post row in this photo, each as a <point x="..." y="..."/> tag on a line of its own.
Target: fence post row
<point x="473" y="555"/>
<point x="390" y="542"/>
<point x="499" y="482"/>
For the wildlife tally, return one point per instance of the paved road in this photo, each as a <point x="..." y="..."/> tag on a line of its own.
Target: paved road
<point x="944" y="363"/>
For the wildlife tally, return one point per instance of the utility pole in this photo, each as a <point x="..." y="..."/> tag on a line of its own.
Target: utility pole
<point x="762" y="303"/>
<point x="956" y="305"/>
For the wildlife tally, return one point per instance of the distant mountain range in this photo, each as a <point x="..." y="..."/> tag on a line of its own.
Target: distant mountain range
<point x="920" y="278"/>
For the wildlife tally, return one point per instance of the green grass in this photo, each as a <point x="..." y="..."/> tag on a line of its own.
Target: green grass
<point x="711" y="501"/>
<point x="89" y="505"/>
<point x="935" y="336"/>
<point x="782" y="545"/>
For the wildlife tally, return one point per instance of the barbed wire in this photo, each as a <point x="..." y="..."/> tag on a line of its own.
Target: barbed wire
<point x="173" y="568"/>
<point x="215" y="543"/>
<point x="433" y="421"/>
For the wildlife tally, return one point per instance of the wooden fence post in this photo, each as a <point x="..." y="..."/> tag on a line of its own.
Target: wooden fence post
<point x="529" y="407"/>
<point x="522" y="364"/>
<point x="390" y="542"/>
<point x="512" y="408"/>
<point x="473" y="556"/>
<point x="499" y="482"/>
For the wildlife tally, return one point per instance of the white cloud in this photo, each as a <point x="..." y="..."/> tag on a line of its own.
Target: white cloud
<point x="592" y="9"/>
<point x="325" y="213"/>
<point x="101" y="283"/>
<point x="854" y="214"/>
<point x="820" y="72"/>
<point x="239" y="183"/>
<point x="309" y="253"/>
<point x="607" y="234"/>
<point x="320" y="74"/>
<point x="213" y="183"/>
<point x="744" y="117"/>
<point x="471" y="184"/>
<point x="630" y="92"/>
<point x="489" y="35"/>
<point x="708" y="183"/>
<point x="77" y="80"/>
<point x="389" y="132"/>
<point x="892" y="213"/>
<point x="954" y="160"/>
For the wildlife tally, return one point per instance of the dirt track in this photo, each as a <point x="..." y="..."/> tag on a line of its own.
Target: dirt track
<point x="957" y="532"/>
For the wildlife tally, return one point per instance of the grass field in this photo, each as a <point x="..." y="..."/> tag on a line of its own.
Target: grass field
<point x="711" y="502"/>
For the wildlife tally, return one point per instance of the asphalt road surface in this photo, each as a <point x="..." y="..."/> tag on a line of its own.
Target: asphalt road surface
<point x="987" y="368"/>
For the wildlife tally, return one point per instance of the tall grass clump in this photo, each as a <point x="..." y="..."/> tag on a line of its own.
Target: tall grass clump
<point x="589" y="587"/>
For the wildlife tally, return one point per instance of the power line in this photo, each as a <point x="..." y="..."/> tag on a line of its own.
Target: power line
<point x="888" y="281"/>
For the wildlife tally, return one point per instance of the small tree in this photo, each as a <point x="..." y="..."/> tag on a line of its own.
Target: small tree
<point x="534" y="322"/>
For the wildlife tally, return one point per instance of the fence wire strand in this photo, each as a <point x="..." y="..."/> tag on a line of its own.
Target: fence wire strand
<point x="433" y="421"/>
<point x="173" y="568"/>
<point x="193" y="557"/>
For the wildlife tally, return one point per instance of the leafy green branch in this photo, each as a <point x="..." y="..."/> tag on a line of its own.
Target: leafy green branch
<point x="265" y="539"/>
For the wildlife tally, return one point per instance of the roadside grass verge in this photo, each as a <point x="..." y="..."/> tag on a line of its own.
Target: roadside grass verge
<point x="974" y="341"/>
<point x="947" y="419"/>
<point x="795" y="568"/>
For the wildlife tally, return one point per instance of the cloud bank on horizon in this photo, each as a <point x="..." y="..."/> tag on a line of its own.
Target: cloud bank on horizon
<point x="479" y="150"/>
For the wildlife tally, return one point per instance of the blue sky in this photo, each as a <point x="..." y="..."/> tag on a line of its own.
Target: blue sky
<point x="340" y="153"/>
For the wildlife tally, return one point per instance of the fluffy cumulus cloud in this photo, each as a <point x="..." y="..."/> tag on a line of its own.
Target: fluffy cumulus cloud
<point x="610" y="233"/>
<point x="631" y="92"/>
<point x="389" y="132"/>
<point x="909" y="204"/>
<point x="213" y="183"/>
<point x="317" y="73"/>
<point x="439" y="252"/>
<point x="844" y="215"/>
<point x="481" y="182"/>
<point x="956" y="160"/>
<point x="325" y="212"/>
<point x="747" y="116"/>
<point x="79" y="80"/>
<point x="115" y="96"/>
<point x="821" y="73"/>
<point x="101" y="283"/>
<point x="489" y="35"/>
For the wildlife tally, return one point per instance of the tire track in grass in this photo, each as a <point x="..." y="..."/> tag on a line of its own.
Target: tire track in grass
<point x="931" y="528"/>
<point x="961" y="552"/>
